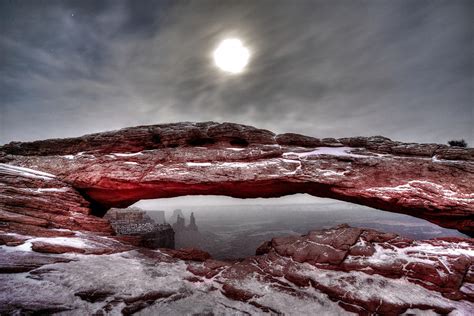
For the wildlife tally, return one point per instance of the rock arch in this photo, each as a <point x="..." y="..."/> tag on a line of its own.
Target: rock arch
<point x="67" y="180"/>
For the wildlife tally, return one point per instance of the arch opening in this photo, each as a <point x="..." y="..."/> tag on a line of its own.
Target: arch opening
<point x="233" y="228"/>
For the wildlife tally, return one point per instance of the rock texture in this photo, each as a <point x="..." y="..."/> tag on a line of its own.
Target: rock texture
<point x="37" y="203"/>
<point x="57" y="253"/>
<point x="134" y="222"/>
<point x="116" y="169"/>
<point x="338" y="271"/>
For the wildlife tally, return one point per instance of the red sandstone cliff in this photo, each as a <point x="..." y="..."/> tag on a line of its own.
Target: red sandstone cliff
<point x="116" y="169"/>
<point x="53" y="192"/>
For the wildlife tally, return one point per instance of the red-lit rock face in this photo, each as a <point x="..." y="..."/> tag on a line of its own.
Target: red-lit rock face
<point x="357" y="268"/>
<point x="430" y="181"/>
<point x="38" y="204"/>
<point x="50" y="192"/>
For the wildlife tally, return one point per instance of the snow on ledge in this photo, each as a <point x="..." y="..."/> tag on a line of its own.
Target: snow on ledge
<point x="26" y="172"/>
<point x="127" y="154"/>
<point x="42" y="190"/>
<point x="422" y="186"/>
<point x="61" y="241"/>
<point x="198" y="164"/>
<point x="333" y="151"/>
<point x="376" y="287"/>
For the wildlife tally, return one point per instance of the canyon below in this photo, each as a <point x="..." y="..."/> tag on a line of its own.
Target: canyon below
<point x="59" y="254"/>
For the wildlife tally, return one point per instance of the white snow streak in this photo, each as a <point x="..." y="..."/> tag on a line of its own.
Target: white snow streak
<point x="26" y="172"/>
<point x="198" y="164"/>
<point x="418" y="186"/>
<point x="127" y="154"/>
<point x="333" y="151"/>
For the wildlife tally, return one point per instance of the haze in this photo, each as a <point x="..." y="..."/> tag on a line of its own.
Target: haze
<point x="402" y="69"/>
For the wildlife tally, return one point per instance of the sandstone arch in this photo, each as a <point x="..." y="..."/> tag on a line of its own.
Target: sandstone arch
<point x="115" y="169"/>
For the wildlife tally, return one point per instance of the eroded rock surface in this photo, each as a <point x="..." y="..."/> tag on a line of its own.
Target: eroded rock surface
<point x="116" y="169"/>
<point x="337" y="271"/>
<point x="58" y="255"/>
<point x="39" y="204"/>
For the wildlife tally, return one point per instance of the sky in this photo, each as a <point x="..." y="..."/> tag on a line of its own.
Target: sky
<point x="215" y="200"/>
<point x="402" y="69"/>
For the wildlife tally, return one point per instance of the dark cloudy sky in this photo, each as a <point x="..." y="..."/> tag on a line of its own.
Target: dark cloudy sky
<point x="403" y="69"/>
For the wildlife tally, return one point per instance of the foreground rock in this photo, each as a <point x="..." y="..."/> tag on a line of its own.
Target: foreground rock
<point x="116" y="169"/>
<point x="39" y="204"/>
<point x="337" y="271"/>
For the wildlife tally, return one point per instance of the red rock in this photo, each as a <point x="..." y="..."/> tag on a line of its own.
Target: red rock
<point x="237" y="294"/>
<point x="366" y="250"/>
<point x="23" y="261"/>
<point x="263" y="248"/>
<point x="188" y="254"/>
<point x="116" y="169"/>
<point x="442" y="269"/>
<point x="377" y="282"/>
<point x="44" y="247"/>
<point x="208" y="268"/>
<point x="12" y="239"/>
<point x="19" y="218"/>
<point x="38" y="204"/>
<point x="89" y="174"/>
<point x="36" y="231"/>
<point x="318" y="246"/>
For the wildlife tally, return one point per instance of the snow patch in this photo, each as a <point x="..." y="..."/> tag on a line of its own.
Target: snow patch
<point x="71" y="157"/>
<point x="26" y="172"/>
<point x="127" y="154"/>
<point x="237" y="164"/>
<point x="198" y="164"/>
<point x="314" y="303"/>
<point x="62" y="241"/>
<point x="63" y="189"/>
<point x="376" y="287"/>
<point x="332" y="151"/>
<point x="419" y="252"/>
<point x="418" y="187"/>
<point x="330" y="173"/>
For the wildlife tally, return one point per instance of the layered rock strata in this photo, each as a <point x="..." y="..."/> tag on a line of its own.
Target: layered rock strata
<point x="116" y="169"/>
<point x="54" y="245"/>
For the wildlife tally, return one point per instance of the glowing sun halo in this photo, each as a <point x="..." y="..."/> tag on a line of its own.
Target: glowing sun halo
<point x="231" y="56"/>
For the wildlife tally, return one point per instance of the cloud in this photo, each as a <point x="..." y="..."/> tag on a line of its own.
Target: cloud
<point x="323" y="68"/>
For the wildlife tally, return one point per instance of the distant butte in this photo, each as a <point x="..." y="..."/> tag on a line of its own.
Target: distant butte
<point x="68" y="181"/>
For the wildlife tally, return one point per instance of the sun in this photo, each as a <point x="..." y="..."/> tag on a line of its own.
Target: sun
<point x="231" y="56"/>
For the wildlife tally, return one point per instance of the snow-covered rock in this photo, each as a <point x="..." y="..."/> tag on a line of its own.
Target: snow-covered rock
<point x="323" y="272"/>
<point x="58" y="255"/>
